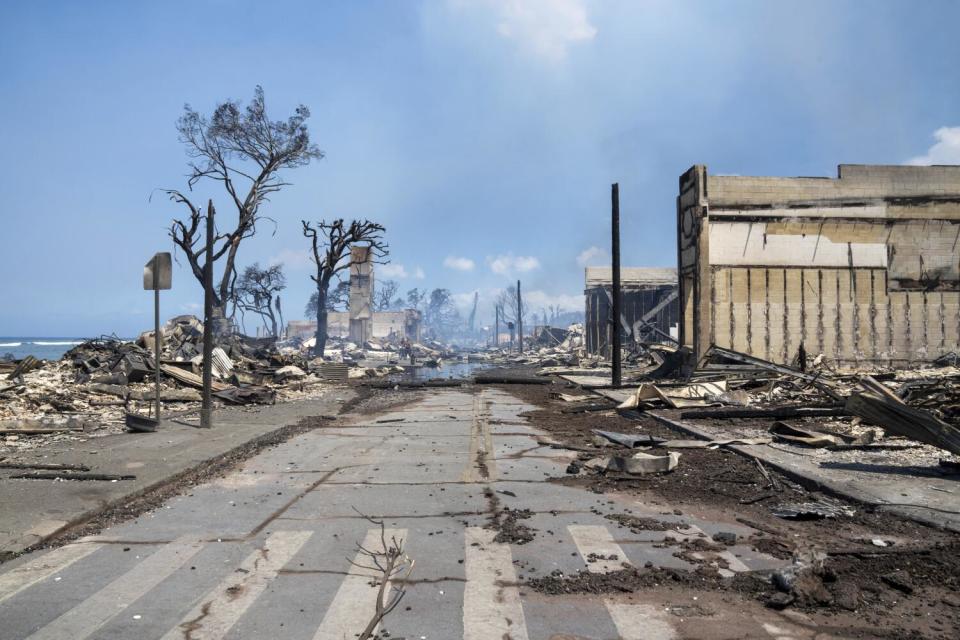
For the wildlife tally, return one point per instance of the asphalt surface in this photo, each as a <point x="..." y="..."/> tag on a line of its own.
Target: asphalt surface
<point x="273" y="550"/>
<point x="32" y="511"/>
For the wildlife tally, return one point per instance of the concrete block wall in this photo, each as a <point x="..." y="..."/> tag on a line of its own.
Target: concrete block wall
<point x="853" y="182"/>
<point x="846" y="314"/>
<point x="864" y="268"/>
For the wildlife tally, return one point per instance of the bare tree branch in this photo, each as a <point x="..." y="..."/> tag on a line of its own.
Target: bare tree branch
<point x="224" y="148"/>
<point x="394" y="567"/>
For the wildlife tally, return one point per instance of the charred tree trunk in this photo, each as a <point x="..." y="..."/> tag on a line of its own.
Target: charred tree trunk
<point x="322" y="311"/>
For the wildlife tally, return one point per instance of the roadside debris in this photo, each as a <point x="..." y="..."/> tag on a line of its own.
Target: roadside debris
<point x="878" y="405"/>
<point x="638" y="464"/>
<point x="812" y="510"/>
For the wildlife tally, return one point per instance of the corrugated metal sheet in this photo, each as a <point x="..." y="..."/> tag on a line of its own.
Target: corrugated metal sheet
<point x="333" y="371"/>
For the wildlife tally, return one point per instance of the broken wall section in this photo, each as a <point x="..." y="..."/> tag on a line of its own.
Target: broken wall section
<point x="863" y="269"/>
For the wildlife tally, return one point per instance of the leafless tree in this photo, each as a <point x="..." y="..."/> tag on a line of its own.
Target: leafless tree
<point x="245" y="151"/>
<point x="507" y="299"/>
<point x="383" y="295"/>
<point x="331" y="242"/>
<point x="258" y="291"/>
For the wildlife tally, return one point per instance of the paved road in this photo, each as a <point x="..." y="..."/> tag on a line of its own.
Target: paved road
<point x="268" y="551"/>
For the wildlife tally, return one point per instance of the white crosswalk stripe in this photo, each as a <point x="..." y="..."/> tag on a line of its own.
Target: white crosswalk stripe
<point x="640" y="621"/>
<point x="491" y="600"/>
<point x="633" y="621"/>
<point x="220" y="609"/>
<point x="88" y="616"/>
<point x="356" y="599"/>
<point x="597" y="541"/>
<point x="49" y="564"/>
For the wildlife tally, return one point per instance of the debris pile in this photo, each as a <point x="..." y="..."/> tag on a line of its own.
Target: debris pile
<point x="849" y="410"/>
<point x="91" y="388"/>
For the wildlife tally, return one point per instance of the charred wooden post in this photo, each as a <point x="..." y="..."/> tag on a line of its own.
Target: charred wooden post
<point x="519" y="319"/>
<point x="207" y="323"/>
<point x="615" y="253"/>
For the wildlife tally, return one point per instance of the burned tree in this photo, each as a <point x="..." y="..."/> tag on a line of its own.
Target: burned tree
<point x="383" y="295"/>
<point x="258" y="291"/>
<point x="416" y="299"/>
<point x="507" y="301"/>
<point x="331" y="242"/>
<point x="245" y="151"/>
<point x="440" y="315"/>
<point x="338" y="299"/>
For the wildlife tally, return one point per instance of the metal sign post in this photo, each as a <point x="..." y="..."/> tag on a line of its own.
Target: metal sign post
<point x="157" y="275"/>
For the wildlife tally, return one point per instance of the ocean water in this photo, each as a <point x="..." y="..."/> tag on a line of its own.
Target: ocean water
<point x="42" y="348"/>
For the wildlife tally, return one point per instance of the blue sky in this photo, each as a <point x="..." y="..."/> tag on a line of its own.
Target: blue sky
<point x="483" y="133"/>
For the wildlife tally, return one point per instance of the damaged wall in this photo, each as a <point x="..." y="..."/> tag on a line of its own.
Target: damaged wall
<point x="361" y="293"/>
<point x="863" y="268"/>
<point x="649" y="296"/>
<point x="384" y="324"/>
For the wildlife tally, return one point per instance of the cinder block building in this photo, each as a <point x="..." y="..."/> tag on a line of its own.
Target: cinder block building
<point x="862" y="267"/>
<point x="649" y="299"/>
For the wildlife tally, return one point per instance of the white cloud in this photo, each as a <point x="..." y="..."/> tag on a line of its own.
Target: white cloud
<point x="508" y="264"/>
<point x="593" y="256"/>
<point x="459" y="264"/>
<point x="946" y="149"/>
<point x="546" y="28"/>
<point x="292" y="259"/>
<point x="191" y="306"/>
<point x="539" y="299"/>
<point x="464" y="301"/>
<point x="392" y="270"/>
<point x="399" y="271"/>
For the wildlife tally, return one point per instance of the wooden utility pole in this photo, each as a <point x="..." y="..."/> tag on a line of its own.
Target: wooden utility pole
<point x="496" y="335"/>
<point x="208" y="324"/>
<point x="519" y="318"/>
<point x="156" y="349"/>
<point x="615" y="254"/>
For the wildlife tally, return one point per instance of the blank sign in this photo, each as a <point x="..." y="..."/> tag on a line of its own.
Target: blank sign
<point x="158" y="272"/>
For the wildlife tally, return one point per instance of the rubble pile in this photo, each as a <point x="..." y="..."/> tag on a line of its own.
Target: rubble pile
<point x="93" y="386"/>
<point x="850" y="409"/>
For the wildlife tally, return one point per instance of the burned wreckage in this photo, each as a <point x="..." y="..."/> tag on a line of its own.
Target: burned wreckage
<point x="817" y="313"/>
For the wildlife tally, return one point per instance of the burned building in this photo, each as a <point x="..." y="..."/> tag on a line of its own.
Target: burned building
<point x="361" y="293"/>
<point x="360" y="323"/>
<point x="862" y="268"/>
<point x="650" y="307"/>
<point x="395" y="325"/>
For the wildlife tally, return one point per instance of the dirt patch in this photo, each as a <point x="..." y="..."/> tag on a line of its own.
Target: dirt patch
<point x="637" y="524"/>
<point x="369" y="400"/>
<point x="632" y="579"/>
<point x="908" y="589"/>
<point x="505" y="521"/>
